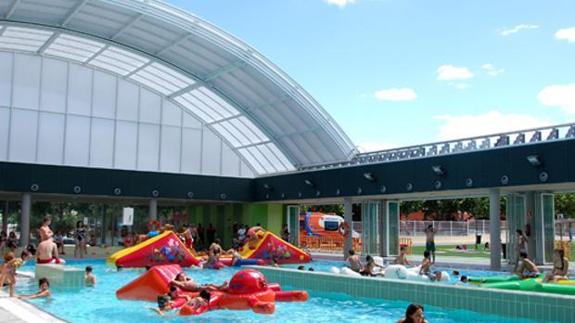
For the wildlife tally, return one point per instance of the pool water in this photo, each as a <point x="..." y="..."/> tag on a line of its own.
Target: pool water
<point x="99" y="304"/>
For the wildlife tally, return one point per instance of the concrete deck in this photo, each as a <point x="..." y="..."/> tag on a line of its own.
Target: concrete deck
<point x="13" y="310"/>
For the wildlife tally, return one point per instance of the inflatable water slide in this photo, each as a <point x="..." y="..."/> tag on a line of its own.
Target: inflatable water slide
<point x="163" y="249"/>
<point x="268" y="246"/>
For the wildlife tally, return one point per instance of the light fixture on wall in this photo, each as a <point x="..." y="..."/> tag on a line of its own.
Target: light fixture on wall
<point x="268" y="186"/>
<point x="369" y="176"/>
<point x="309" y="183"/>
<point x="438" y="170"/>
<point x="534" y="160"/>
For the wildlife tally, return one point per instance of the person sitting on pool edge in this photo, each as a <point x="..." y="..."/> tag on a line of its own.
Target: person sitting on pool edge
<point x="369" y="269"/>
<point x="89" y="277"/>
<point x="413" y="314"/>
<point x="44" y="291"/>
<point x="185" y="283"/>
<point x="560" y="267"/>
<point x="401" y="259"/>
<point x="526" y="268"/>
<point x="354" y="262"/>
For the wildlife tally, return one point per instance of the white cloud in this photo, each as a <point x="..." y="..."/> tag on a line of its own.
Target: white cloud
<point x="396" y="94"/>
<point x="459" y="86"/>
<point x="516" y="29"/>
<point x="369" y="146"/>
<point x="464" y="126"/>
<point x="450" y="73"/>
<point x="340" y="3"/>
<point x="562" y="96"/>
<point x="492" y="70"/>
<point x="567" y="34"/>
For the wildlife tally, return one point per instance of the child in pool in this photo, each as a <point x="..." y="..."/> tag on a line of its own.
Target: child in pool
<point x="166" y="302"/>
<point x="44" y="291"/>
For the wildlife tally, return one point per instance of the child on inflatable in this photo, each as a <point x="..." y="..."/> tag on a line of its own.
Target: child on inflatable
<point x="185" y="283"/>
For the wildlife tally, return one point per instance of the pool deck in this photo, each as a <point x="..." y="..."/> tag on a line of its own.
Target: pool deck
<point x="13" y="310"/>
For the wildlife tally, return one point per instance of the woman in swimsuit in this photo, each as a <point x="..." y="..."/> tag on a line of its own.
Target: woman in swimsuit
<point x="560" y="267"/>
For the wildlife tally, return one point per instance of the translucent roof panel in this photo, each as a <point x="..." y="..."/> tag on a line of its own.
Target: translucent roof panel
<point x="23" y="39"/>
<point x="74" y="48"/>
<point x="247" y="100"/>
<point x="162" y="78"/>
<point x="189" y="102"/>
<point x="118" y="61"/>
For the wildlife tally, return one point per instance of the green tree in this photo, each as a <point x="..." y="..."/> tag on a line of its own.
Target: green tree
<point x="565" y="204"/>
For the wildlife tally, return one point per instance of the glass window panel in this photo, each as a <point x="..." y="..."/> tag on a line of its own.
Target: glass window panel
<point x="271" y="157"/>
<point x="184" y="101"/>
<point x="253" y="128"/>
<point x="262" y="159"/>
<point x="202" y="106"/>
<point x="252" y="161"/>
<point x="226" y="134"/>
<point x="251" y="137"/>
<point x="216" y="111"/>
<point x="233" y="111"/>
<point x="280" y="156"/>
<point x="236" y="133"/>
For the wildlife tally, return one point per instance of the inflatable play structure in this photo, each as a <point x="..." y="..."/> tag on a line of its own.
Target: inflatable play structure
<point x="267" y="246"/>
<point x="248" y="289"/>
<point x="514" y="282"/>
<point x="401" y="272"/>
<point x="162" y="249"/>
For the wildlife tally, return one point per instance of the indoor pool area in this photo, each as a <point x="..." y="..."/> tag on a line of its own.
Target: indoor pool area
<point x="299" y="161"/>
<point x="99" y="304"/>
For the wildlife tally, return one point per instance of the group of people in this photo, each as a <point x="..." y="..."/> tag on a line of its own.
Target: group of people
<point x="526" y="268"/>
<point x="183" y="283"/>
<point x="8" y="241"/>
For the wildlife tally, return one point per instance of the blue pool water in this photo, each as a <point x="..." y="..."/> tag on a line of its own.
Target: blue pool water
<point x="99" y="304"/>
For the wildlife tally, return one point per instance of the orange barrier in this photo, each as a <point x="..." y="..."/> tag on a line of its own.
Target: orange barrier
<point x="331" y="243"/>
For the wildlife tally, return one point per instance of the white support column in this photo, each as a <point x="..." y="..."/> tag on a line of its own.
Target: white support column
<point x="25" y="219"/>
<point x="348" y="217"/>
<point x="495" y="229"/>
<point x="383" y="229"/>
<point x="153" y="210"/>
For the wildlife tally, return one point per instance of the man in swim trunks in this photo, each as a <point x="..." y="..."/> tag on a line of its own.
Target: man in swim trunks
<point x="526" y="268"/>
<point x="185" y="283"/>
<point x="430" y="232"/>
<point x="47" y="252"/>
<point x="354" y="262"/>
<point x="425" y="268"/>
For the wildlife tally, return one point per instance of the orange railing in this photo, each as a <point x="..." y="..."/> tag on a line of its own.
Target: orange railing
<point x="327" y="243"/>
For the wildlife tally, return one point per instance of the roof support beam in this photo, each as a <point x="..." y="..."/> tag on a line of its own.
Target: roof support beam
<point x="150" y="62"/>
<point x="73" y="12"/>
<point x="224" y="70"/>
<point x="48" y="43"/>
<point x="12" y="9"/>
<point x="96" y="54"/>
<point x="174" y="44"/>
<point x="187" y="89"/>
<point x="127" y="26"/>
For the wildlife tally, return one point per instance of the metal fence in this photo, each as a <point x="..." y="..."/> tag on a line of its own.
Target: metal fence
<point x="444" y="228"/>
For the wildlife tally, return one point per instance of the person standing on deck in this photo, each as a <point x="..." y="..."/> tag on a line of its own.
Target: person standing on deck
<point x="430" y="241"/>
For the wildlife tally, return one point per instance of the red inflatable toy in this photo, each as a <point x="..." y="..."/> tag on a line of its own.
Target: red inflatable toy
<point x="248" y="289"/>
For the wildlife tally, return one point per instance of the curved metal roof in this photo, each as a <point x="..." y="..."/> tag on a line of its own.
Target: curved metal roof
<point x="264" y="115"/>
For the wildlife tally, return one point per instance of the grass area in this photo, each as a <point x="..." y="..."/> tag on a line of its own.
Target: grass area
<point x="449" y="251"/>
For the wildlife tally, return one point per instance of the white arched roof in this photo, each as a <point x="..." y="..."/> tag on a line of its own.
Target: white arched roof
<point x="261" y="113"/>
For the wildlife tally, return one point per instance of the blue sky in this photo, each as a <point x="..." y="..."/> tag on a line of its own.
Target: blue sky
<point x="402" y="72"/>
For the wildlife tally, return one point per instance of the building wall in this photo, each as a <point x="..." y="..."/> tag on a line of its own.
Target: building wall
<point x="61" y="113"/>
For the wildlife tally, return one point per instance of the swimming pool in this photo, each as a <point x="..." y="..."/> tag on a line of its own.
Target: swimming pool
<point x="99" y="304"/>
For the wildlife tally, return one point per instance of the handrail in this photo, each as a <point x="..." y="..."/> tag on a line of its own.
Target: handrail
<point x="442" y="148"/>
